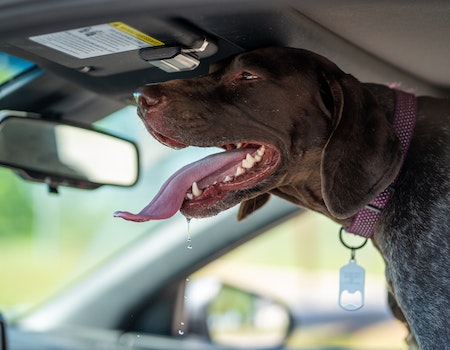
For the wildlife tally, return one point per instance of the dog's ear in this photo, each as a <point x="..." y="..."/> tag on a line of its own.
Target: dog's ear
<point x="362" y="154"/>
<point x="249" y="206"/>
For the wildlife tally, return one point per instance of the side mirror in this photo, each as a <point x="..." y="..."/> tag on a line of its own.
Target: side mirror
<point x="230" y="316"/>
<point x="65" y="154"/>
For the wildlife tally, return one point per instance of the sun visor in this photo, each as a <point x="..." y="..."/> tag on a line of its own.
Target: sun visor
<point x="106" y="49"/>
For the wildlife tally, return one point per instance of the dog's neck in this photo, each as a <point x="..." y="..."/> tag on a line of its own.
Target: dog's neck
<point x="401" y="110"/>
<point x="385" y="97"/>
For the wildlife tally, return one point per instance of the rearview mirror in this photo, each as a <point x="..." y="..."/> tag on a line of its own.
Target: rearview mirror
<point x="60" y="153"/>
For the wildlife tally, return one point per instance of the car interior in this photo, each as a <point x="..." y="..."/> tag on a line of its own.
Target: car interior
<point x="68" y="71"/>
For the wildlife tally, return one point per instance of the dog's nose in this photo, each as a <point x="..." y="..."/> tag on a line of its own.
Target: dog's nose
<point x="146" y="101"/>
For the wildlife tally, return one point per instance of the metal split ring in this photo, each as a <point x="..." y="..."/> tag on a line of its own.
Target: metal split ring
<point x="352" y="248"/>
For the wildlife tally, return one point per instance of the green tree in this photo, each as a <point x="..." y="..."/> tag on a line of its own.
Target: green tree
<point x="16" y="213"/>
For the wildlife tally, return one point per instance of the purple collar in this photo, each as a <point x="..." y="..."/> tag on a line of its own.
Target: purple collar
<point x="365" y="220"/>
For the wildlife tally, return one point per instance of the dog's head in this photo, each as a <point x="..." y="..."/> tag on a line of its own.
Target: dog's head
<point x="291" y="123"/>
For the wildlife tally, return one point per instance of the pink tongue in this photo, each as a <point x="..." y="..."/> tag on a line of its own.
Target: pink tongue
<point x="171" y="195"/>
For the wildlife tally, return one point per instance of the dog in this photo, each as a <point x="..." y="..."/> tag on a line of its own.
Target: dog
<point x="294" y="125"/>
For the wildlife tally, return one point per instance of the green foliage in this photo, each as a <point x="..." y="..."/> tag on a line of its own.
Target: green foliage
<point x="232" y="299"/>
<point x="16" y="213"/>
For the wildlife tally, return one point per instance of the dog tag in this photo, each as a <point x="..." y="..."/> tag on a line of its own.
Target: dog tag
<point x="351" y="286"/>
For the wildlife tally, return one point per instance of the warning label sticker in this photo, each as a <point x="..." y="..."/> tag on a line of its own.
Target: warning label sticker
<point x="98" y="40"/>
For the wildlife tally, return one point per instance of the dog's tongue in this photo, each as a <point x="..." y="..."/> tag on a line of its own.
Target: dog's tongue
<point x="171" y="195"/>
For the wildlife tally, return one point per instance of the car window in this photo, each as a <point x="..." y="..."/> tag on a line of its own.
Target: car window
<point x="47" y="240"/>
<point x="12" y="67"/>
<point x="297" y="263"/>
<point x="15" y="73"/>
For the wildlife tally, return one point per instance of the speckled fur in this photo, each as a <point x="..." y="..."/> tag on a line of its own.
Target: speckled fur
<point x="414" y="233"/>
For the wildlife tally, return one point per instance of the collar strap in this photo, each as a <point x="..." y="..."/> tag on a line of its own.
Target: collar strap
<point x="365" y="220"/>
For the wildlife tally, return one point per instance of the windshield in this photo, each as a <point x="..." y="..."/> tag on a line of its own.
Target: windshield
<point x="11" y="67"/>
<point x="63" y="235"/>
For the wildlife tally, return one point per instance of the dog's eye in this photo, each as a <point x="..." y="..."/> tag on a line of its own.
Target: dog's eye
<point x="248" y="76"/>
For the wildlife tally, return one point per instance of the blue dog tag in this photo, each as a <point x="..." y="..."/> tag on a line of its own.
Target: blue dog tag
<point x="351" y="286"/>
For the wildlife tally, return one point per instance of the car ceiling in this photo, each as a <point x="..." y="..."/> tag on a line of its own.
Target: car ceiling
<point x="383" y="41"/>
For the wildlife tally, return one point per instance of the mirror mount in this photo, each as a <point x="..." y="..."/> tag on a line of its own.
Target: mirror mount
<point x="53" y="189"/>
<point x="54" y="182"/>
<point x="47" y="150"/>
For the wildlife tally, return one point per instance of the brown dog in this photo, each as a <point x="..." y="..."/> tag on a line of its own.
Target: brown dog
<point x="314" y="135"/>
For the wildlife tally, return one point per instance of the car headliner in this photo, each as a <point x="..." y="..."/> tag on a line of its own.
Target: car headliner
<point x="383" y="41"/>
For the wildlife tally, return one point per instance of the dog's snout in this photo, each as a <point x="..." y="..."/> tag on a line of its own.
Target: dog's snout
<point x="147" y="101"/>
<point x="147" y="98"/>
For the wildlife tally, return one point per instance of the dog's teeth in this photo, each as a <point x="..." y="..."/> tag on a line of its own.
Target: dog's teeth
<point x="248" y="162"/>
<point x="239" y="171"/>
<point x="260" y="151"/>
<point x="228" y="178"/>
<point x="238" y="145"/>
<point x="189" y="196"/>
<point x="195" y="190"/>
<point x="257" y="158"/>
